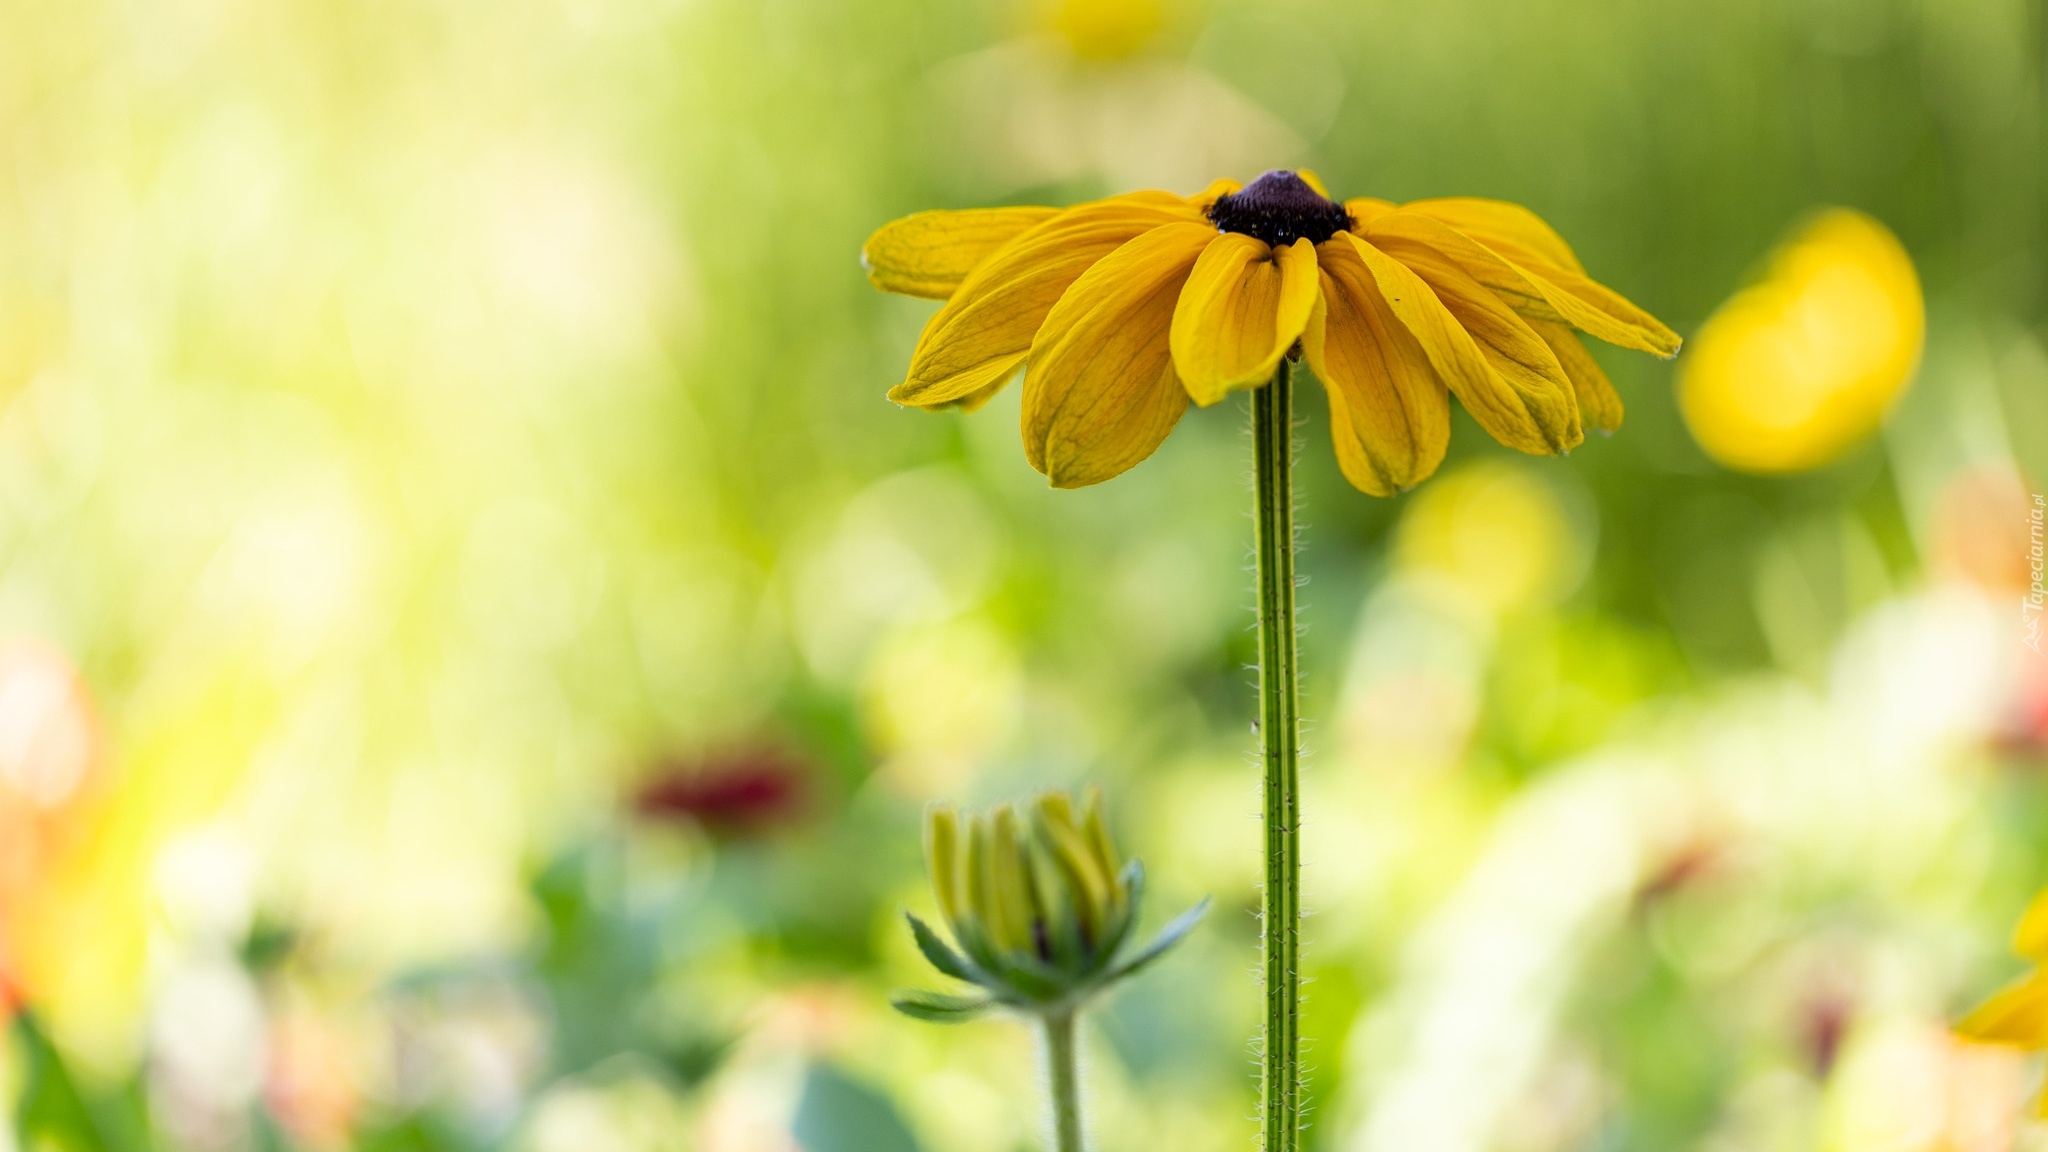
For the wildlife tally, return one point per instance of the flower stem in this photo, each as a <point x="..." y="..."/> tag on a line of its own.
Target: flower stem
<point x="1279" y="730"/>
<point x="1063" y="1080"/>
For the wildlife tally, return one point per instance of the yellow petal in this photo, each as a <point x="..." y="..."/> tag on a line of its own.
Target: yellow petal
<point x="973" y="401"/>
<point x="1530" y="288"/>
<point x="1599" y="404"/>
<point x="980" y="880"/>
<point x="1501" y="277"/>
<point x="1364" y="210"/>
<point x="1597" y="310"/>
<point x="1314" y="181"/>
<point x="1496" y="222"/>
<point x="1057" y="806"/>
<point x="1216" y="190"/>
<point x="1155" y="198"/>
<point x="2018" y="1014"/>
<point x="1500" y="370"/>
<point x="930" y="253"/>
<point x="1244" y="306"/>
<point x="1389" y="414"/>
<point x="980" y="337"/>
<point x="1096" y="828"/>
<point x="1089" y="884"/>
<point x="1011" y="908"/>
<point x="942" y="855"/>
<point x="2030" y="935"/>
<point x="1096" y="825"/>
<point x="1101" y="394"/>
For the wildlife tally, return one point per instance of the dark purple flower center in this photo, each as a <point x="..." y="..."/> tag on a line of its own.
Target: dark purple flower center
<point x="1280" y="208"/>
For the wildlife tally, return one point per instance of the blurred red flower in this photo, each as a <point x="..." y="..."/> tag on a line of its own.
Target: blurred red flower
<point x="736" y="791"/>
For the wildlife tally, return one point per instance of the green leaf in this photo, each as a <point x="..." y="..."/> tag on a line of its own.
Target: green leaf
<point x="940" y="1007"/>
<point x="941" y="955"/>
<point x="838" y="1113"/>
<point x="52" y="1110"/>
<point x="1167" y="938"/>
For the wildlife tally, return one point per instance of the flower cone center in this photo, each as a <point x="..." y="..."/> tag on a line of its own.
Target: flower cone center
<point x="1280" y="208"/>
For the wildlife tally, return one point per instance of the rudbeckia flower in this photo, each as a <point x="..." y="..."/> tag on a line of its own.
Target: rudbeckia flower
<point x="1123" y="310"/>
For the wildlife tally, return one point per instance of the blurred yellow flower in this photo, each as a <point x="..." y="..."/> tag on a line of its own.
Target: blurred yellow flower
<point x="1493" y="534"/>
<point x="79" y="938"/>
<point x="1108" y="29"/>
<point x="1795" y="369"/>
<point x="1127" y="308"/>
<point x="2018" y="1014"/>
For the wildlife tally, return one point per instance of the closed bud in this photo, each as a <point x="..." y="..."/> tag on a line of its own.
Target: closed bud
<point x="1039" y="903"/>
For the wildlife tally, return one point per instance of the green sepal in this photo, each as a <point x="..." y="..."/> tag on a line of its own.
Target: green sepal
<point x="974" y="946"/>
<point x="1030" y="980"/>
<point x="941" y="954"/>
<point x="1132" y="882"/>
<point x="1168" y="936"/>
<point x="1014" y="979"/>
<point x="940" y="1007"/>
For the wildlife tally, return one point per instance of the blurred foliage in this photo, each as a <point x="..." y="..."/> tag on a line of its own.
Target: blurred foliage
<point x="426" y="428"/>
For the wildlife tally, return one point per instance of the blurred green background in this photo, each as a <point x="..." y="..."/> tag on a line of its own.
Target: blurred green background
<point x="475" y="643"/>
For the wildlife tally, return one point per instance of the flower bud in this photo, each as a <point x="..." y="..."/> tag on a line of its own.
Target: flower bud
<point x="1039" y="904"/>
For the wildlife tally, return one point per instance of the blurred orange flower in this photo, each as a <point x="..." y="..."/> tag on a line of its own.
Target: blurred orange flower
<point x="49" y="746"/>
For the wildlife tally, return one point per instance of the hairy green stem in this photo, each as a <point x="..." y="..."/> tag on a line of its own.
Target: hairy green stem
<point x="1279" y="731"/>
<point x="1063" y="1080"/>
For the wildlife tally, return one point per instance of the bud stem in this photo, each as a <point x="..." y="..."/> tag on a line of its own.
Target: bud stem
<point x="1279" y="730"/>
<point x="1063" y="1080"/>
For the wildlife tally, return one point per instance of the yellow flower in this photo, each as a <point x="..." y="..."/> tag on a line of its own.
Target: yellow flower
<point x="1124" y="309"/>
<point x="1108" y="29"/>
<point x="1492" y="535"/>
<point x="2018" y="1014"/>
<point x="1040" y="904"/>
<point x="1795" y="369"/>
